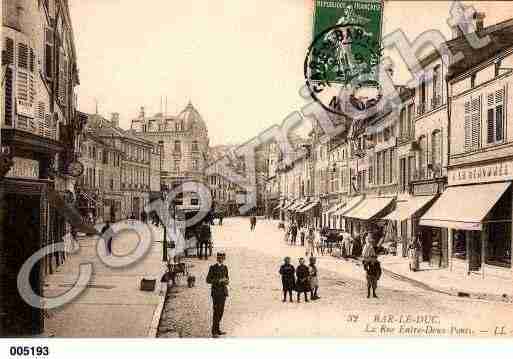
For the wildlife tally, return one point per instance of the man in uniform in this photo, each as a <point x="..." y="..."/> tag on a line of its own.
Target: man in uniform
<point x="218" y="278"/>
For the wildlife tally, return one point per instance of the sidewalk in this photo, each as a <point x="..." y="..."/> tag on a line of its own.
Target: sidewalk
<point x="112" y="305"/>
<point x="453" y="283"/>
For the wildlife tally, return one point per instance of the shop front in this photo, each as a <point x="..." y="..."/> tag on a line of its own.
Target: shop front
<point x="309" y="212"/>
<point x="330" y="213"/>
<point x="478" y="220"/>
<point x="366" y="216"/>
<point x="404" y="221"/>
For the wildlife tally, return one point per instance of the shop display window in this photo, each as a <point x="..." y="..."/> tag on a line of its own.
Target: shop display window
<point x="459" y="245"/>
<point x="498" y="249"/>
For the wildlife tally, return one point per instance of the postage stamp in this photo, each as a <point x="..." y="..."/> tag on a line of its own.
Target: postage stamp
<point x="342" y="62"/>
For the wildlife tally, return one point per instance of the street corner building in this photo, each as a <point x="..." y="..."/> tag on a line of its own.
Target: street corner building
<point x="184" y="142"/>
<point x="41" y="131"/>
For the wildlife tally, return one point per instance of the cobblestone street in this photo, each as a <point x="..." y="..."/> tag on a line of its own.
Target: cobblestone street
<point x="254" y="307"/>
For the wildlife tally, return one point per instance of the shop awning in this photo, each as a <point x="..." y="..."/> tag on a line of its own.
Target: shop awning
<point x="309" y="206"/>
<point x="289" y="204"/>
<point x="341" y="209"/>
<point x="335" y="208"/>
<point x="369" y="208"/>
<point x="353" y="202"/>
<point x="464" y="207"/>
<point x="407" y="209"/>
<point x="297" y="205"/>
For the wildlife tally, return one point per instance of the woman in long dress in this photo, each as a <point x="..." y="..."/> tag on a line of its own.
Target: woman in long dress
<point x="413" y="253"/>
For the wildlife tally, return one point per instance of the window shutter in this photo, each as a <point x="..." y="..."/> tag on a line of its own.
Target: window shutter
<point x="62" y="79"/>
<point x="9" y="51"/>
<point x="32" y="60"/>
<point x="490" y="120"/>
<point x="468" y="126"/>
<point x="476" y="121"/>
<point x="8" y="101"/>
<point x="23" y="56"/>
<point x="499" y="115"/>
<point x="48" y="53"/>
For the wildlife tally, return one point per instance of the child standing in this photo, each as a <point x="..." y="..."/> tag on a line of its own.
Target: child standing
<point x="302" y="280"/>
<point x="302" y="235"/>
<point x="288" y="281"/>
<point x="314" y="279"/>
<point x="372" y="266"/>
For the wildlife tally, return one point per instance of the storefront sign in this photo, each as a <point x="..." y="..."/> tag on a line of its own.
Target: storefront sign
<point x="24" y="168"/>
<point x="426" y="188"/>
<point x="479" y="174"/>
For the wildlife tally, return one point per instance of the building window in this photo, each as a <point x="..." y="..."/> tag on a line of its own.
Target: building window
<point x="392" y="165"/>
<point x="379" y="158"/>
<point x="436" y="146"/>
<point x="473" y="80"/>
<point x="436" y="84"/>
<point x="177" y="166"/>
<point x="195" y="147"/>
<point x="402" y="174"/>
<point x="422" y="99"/>
<point x="402" y="122"/>
<point x="195" y="165"/>
<point x="178" y="146"/>
<point x="385" y="164"/>
<point x="495" y="117"/>
<point x="422" y="157"/>
<point x="472" y="123"/>
<point x="409" y="122"/>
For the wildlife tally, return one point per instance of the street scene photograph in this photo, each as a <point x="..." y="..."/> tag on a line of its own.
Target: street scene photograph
<point x="255" y="169"/>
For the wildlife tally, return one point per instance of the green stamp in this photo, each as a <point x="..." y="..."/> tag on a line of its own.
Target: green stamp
<point x="347" y="39"/>
<point x="345" y="52"/>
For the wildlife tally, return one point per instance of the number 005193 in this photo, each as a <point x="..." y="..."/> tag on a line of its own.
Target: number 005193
<point x="29" y="351"/>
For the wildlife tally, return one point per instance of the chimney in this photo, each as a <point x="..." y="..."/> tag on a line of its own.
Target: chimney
<point x="477" y="25"/>
<point x="141" y="113"/>
<point x="478" y="19"/>
<point x="114" y="119"/>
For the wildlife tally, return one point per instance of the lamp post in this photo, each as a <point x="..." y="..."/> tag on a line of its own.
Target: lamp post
<point x="164" y="240"/>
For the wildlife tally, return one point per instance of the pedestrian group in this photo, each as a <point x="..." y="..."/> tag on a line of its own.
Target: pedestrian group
<point x="303" y="279"/>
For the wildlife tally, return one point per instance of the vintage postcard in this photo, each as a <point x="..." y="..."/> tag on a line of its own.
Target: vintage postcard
<point x="242" y="169"/>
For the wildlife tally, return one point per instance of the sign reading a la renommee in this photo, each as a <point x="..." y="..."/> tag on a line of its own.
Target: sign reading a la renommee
<point x="502" y="171"/>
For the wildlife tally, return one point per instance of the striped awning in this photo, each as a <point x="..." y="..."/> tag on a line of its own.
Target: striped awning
<point x="309" y="206"/>
<point x="290" y="204"/>
<point x="335" y="208"/>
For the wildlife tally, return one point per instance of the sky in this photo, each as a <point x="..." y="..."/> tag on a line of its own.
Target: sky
<point x="240" y="62"/>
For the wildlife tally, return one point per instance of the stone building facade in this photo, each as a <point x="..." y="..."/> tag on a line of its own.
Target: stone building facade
<point x="185" y="143"/>
<point x="99" y="188"/>
<point x="140" y="165"/>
